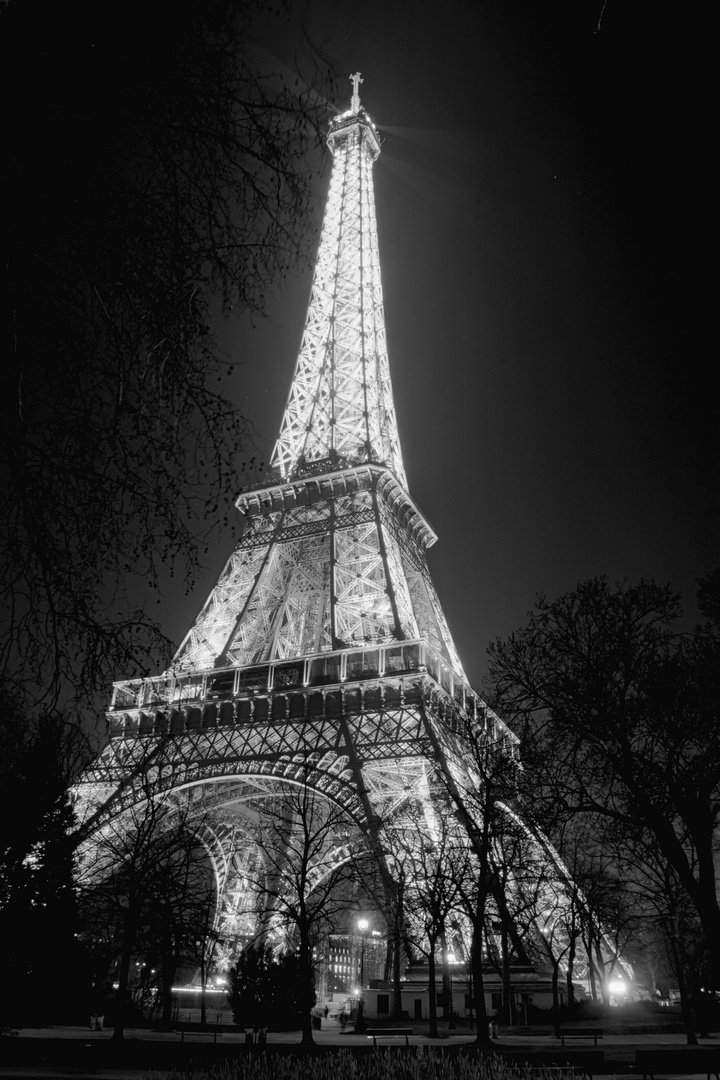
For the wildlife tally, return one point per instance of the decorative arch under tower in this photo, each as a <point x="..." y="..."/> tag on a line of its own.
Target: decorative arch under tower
<point x="322" y="656"/>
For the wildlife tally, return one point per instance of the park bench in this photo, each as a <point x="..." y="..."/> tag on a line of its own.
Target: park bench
<point x="389" y="1036"/>
<point x="678" y="1059"/>
<point x="581" y="1033"/>
<point x="193" y="1030"/>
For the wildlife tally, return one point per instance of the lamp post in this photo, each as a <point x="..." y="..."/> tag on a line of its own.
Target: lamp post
<point x="360" y="1024"/>
<point x="451" y="1011"/>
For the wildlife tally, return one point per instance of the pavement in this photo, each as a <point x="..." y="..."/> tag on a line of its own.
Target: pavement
<point x="618" y="1048"/>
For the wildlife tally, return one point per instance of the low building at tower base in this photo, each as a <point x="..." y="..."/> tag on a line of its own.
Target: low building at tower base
<point x="531" y="991"/>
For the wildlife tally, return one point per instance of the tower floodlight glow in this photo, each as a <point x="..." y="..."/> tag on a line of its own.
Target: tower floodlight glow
<point x="321" y="658"/>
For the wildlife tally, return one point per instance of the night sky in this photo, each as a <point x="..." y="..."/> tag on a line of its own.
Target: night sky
<point x="541" y="211"/>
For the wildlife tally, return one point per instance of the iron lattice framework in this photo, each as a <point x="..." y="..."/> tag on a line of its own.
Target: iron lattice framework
<point x="322" y="656"/>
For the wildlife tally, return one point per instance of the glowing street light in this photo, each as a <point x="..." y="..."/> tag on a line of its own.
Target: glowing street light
<point x="450" y="1011"/>
<point x="362" y="925"/>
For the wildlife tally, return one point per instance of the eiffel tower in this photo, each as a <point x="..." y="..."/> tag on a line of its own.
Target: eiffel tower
<point x="323" y="640"/>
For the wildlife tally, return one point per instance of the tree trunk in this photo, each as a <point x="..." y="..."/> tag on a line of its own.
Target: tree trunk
<point x="306" y="988"/>
<point x="203" y="983"/>
<point x="556" y="997"/>
<point x="123" y="986"/>
<point x="446" y="979"/>
<point x="591" y="966"/>
<point x="397" y="981"/>
<point x="600" y="967"/>
<point x="482" y="1033"/>
<point x="396" y="959"/>
<point x="432" y="993"/>
<point x="168" y="978"/>
<point x="700" y="887"/>
<point x="571" y="968"/>
<point x="506" y="975"/>
<point x="167" y="1002"/>
<point x="682" y="986"/>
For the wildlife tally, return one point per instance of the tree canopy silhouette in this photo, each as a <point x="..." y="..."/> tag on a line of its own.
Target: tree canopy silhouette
<point x="156" y="166"/>
<point x="618" y="711"/>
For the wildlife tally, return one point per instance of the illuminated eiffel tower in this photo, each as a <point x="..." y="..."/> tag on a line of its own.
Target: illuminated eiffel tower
<point x="322" y="655"/>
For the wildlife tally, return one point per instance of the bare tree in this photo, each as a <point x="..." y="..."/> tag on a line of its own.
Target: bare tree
<point x="430" y="856"/>
<point x="303" y="839"/>
<point x="479" y="770"/>
<point x="204" y="939"/>
<point x="666" y="918"/>
<point x="178" y="183"/>
<point x="619" y="715"/>
<point x="143" y="873"/>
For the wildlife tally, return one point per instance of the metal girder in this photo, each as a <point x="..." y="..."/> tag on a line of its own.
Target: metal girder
<point x="314" y="579"/>
<point x="341" y="397"/>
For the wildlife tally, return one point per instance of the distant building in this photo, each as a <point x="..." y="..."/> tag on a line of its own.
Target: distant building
<point x="349" y="960"/>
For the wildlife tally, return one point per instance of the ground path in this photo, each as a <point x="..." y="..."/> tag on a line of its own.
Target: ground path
<point x="52" y="1053"/>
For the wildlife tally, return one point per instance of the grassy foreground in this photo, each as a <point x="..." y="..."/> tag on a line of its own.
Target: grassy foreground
<point x="383" y="1065"/>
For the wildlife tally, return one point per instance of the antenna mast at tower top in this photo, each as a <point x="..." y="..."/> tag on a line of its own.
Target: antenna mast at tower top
<point x="355" y="79"/>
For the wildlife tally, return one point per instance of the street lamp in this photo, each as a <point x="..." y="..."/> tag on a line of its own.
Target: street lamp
<point x="360" y="1024"/>
<point x="451" y="1011"/>
<point x="362" y="927"/>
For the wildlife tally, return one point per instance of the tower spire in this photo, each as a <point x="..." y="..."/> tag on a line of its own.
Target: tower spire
<point x="341" y="405"/>
<point x="356" y="79"/>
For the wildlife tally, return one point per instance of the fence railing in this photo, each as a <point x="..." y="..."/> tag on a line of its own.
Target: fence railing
<point x="174" y="691"/>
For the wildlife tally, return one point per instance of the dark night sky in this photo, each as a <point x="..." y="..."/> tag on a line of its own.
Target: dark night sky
<point x="540" y="210"/>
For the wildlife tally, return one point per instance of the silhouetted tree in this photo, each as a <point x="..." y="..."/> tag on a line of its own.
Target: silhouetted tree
<point x="141" y="877"/>
<point x="154" y="170"/>
<point x="39" y="757"/>
<point x="305" y="859"/>
<point x="203" y="937"/>
<point x="252" y="986"/>
<point x="266" y="989"/>
<point x="619" y="715"/>
<point x="479" y="773"/>
<point x="432" y="859"/>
